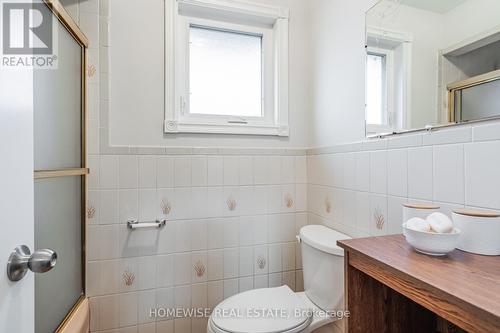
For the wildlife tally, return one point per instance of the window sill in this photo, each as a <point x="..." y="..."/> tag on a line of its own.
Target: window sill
<point x="172" y="127"/>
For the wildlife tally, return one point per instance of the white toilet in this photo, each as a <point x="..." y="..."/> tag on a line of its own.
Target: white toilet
<point x="280" y="310"/>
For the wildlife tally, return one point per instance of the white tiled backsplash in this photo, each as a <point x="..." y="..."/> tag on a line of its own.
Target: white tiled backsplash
<point x="359" y="188"/>
<point x="231" y="227"/>
<point x="233" y="218"/>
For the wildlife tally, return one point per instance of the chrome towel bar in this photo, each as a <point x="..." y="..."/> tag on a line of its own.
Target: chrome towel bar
<point x="134" y="224"/>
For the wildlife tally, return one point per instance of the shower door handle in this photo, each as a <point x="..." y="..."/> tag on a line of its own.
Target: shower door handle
<point x="21" y="259"/>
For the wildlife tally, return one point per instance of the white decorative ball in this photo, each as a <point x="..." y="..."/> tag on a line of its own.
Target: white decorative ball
<point x="440" y="223"/>
<point x="418" y="224"/>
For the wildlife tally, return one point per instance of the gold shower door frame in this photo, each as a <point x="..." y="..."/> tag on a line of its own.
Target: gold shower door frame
<point x="67" y="22"/>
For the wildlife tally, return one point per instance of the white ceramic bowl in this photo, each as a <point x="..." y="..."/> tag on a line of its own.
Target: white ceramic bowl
<point x="431" y="243"/>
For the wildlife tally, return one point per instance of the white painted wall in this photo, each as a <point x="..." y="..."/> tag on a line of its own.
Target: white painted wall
<point x="136" y="80"/>
<point x="470" y="19"/>
<point x="331" y="65"/>
<point x="338" y="71"/>
<point x="327" y="74"/>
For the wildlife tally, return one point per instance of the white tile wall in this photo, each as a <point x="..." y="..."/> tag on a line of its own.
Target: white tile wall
<point x="378" y="172"/>
<point x="420" y="173"/>
<point x="204" y="242"/>
<point x="231" y="170"/>
<point x="449" y="170"/>
<point x="165" y="170"/>
<point x="486" y="132"/>
<point x="395" y="214"/>
<point x="362" y="182"/>
<point x="378" y="218"/>
<point x="199" y="171"/>
<point x="397" y="172"/>
<point x="454" y="135"/>
<point x="108" y="172"/>
<point x="128" y="172"/>
<point x="482" y="176"/>
<point x="147" y="171"/>
<point x="182" y="171"/>
<point x="453" y="168"/>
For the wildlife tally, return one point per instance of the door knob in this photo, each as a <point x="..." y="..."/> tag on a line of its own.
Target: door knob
<point x="21" y="260"/>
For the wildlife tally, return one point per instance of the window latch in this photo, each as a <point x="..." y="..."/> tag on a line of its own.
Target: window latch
<point x="182" y="102"/>
<point x="237" y="121"/>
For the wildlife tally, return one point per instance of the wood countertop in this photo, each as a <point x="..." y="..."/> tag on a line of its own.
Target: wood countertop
<point x="454" y="286"/>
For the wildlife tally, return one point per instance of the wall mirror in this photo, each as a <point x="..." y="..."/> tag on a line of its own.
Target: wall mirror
<point x="431" y="63"/>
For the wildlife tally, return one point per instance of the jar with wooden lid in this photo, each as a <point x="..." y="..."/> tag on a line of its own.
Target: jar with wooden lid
<point x="411" y="210"/>
<point x="480" y="231"/>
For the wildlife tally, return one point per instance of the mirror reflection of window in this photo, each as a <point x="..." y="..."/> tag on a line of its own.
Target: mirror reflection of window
<point x="381" y="103"/>
<point x="376" y="89"/>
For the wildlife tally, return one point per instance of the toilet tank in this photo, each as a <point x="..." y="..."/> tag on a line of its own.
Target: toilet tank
<point x="323" y="266"/>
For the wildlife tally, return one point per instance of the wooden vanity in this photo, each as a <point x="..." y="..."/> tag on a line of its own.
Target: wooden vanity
<point x="391" y="288"/>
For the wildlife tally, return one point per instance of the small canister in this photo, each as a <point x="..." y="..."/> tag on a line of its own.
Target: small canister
<point x="411" y="210"/>
<point x="480" y="231"/>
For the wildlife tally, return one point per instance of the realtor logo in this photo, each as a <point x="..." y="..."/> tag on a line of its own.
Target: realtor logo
<point x="28" y="35"/>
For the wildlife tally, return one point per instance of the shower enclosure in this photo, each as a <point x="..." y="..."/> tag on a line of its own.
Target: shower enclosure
<point x="60" y="174"/>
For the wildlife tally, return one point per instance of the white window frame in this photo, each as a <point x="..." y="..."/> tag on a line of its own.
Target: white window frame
<point x="272" y="25"/>
<point x="387" y="106"/>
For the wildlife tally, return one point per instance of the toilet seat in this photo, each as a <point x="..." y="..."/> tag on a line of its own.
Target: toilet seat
<point x="269" y="310"/>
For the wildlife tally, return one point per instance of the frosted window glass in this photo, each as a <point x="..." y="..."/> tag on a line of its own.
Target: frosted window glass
<point x="375" y="90"/>
<point x="58" y="226"/>
<point x="57" y="108"/>
<point x="225" y="73"/>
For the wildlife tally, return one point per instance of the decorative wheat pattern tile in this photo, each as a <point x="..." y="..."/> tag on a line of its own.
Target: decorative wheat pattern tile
<point x="328" y="205"/>
<point x="261" y="262"/>
<point x="166" y="207"/>
<point x="379" y="218"/>
<point x="91" y="71"/>
<point x="90" y="212"/>
<point x="289" y="200"/>
<point x="199" y="268"/>
<point x="128" y="278"/>
<point x="231" y="203"/>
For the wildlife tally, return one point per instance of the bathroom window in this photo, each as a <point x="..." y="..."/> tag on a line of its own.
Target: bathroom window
<point x="231" y="69"/>
<point x="225" y="73"/>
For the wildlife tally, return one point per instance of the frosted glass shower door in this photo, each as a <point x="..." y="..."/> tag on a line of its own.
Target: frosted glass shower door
<point x="60" y="178"/>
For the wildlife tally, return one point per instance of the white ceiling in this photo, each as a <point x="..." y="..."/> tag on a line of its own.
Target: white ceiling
<point x="437" y="6"/>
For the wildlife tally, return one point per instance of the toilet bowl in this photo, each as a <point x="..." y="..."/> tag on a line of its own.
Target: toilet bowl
<point x="280" y="310"/>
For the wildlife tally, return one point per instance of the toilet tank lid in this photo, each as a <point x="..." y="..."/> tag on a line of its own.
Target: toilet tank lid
<point x="322" y="238"/>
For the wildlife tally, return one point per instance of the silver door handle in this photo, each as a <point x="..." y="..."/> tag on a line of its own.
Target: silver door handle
<point x="21" y="260"/>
